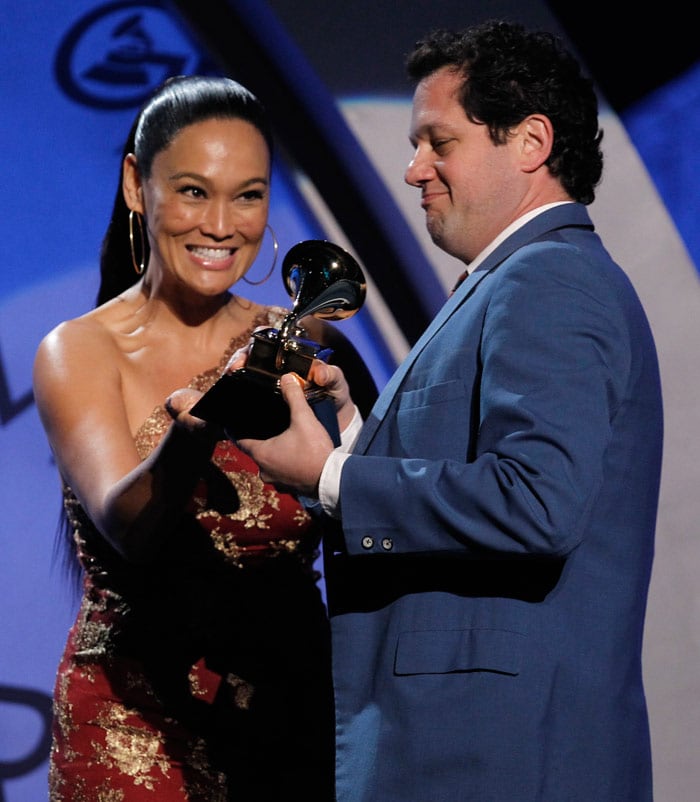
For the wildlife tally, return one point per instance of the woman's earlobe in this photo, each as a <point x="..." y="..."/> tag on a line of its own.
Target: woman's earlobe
<point x="131" y="184"/>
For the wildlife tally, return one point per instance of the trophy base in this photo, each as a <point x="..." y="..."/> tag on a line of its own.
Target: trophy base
<point x="247" y="404"/>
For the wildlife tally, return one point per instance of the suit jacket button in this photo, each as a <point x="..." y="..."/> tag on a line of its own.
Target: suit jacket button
<point x="387" y="544"/>
<point x="367" y="542"/>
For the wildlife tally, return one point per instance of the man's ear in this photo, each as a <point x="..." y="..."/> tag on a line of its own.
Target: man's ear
<point x="537" y="138"/>
<point x="131" y="184"/>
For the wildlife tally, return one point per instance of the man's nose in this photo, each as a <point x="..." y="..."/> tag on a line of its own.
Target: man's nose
<point x="419" y="169"/>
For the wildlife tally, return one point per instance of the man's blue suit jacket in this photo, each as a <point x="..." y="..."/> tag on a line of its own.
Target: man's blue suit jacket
<point x="498" y="518"/>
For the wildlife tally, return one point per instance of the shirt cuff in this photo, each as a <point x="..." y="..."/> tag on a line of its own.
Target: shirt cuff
<point x="351" y="432"/>
<point x="329" y="481"/>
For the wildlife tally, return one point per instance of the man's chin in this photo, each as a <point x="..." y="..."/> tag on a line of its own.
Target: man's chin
<point x="436" y="233"/>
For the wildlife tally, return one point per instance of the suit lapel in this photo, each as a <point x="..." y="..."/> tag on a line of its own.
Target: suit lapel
<point x="558" y="217"/>
<point x="382" y="403"/>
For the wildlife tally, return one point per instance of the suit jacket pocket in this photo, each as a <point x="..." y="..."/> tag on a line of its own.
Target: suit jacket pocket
<point x="433" y="421"/>
<point x="456" y="650"/>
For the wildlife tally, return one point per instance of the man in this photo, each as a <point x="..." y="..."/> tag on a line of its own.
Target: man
<point x="488" y="579"/>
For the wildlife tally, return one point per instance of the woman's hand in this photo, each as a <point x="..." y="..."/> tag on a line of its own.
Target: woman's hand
<point x="178" y="405"/>
<point x="238" y="358"/>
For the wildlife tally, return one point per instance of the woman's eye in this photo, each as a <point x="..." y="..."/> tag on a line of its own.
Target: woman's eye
<point x="192" y="191"/>
<point x="253" y="195"/>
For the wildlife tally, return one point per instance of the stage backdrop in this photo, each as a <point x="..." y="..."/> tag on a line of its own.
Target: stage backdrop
<point x="73" y="75"/>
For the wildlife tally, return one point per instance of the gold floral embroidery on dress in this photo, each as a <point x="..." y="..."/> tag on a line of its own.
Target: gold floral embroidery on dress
<point x="206" y="784"/>
<point x="63" y="712"/>
<point x="253" y="497"/>
<point x="92" y="639"/>
<point x="93" y="635"/>
<point x="196" y="688"/>
<point x="131" y="749"/>
<point x="242" y="691"/>
<point x="151" y="431"/>
<point x="301" y="517"/>
<point x="57" y="784"/>
<point x="81" y="791"/>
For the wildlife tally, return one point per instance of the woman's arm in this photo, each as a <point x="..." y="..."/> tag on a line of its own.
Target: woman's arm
<point x="79" y="396"/>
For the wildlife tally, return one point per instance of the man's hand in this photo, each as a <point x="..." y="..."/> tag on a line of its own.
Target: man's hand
<point x="333" y="381"/>
<point x="294" y="459"/>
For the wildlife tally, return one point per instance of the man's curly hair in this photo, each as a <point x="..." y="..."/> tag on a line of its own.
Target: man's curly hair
<point x="509" y="73"/>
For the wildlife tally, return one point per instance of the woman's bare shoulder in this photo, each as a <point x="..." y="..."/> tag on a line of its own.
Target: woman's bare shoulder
<point x="80" y="349"/>
<point x="84" y="335"/>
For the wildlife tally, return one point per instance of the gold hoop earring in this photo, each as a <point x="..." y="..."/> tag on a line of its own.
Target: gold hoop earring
<point x="275" y="248"/>
<point x="139" y="267"/>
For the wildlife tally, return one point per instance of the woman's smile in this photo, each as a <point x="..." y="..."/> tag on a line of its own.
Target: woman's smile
<point x="212" y="257"/>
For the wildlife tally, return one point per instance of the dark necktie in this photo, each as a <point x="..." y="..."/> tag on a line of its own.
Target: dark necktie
<point x="459" y="281"/>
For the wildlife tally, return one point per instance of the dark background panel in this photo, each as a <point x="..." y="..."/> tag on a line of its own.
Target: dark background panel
<point x="631" y="50"/>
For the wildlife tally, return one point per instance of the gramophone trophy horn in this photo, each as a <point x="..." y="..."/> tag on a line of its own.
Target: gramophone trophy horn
<point x="324" y="281"/>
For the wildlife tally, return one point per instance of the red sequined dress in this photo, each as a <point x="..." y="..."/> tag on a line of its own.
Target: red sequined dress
<point x="204" y="676"/>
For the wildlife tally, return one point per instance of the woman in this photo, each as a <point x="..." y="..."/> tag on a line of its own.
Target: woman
<point x="198" y="666"/>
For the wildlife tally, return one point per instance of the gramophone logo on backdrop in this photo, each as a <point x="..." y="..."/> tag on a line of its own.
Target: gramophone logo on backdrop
<point x="114" y="56"/>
